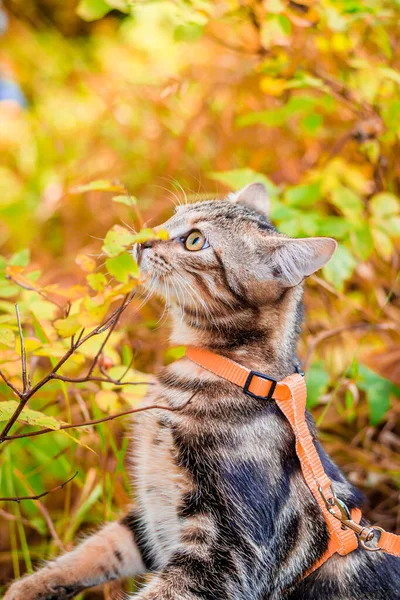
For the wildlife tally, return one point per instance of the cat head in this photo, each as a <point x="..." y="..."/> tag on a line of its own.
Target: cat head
<point x="224" y="255"/>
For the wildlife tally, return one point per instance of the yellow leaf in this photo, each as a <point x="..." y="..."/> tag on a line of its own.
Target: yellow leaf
<point x="108" y="401"/>
<point x="7" y="337"/>
<point x="15" y="273"/>
<point x="67" y="327"/>
<point x="383" y="244"/>
<point x="86" y="263"/>
<point x="72" y="293"/>
<point x="273" y="86"/>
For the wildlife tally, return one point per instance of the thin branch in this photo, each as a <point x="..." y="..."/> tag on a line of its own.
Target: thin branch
<point x="111" y="329"/>
<point x="10" y="385"/>
<point x="103" y="420"/>
<point x="107" y="379"/>
<point x="25" y="380"/>
<point x="65" y="309"/>
<point x="25" y="395"/>
<point x="38" y="496"/>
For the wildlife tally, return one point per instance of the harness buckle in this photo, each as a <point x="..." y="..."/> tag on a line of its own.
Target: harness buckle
<point x="262" y="376"/>
<point x="366" y="534"/>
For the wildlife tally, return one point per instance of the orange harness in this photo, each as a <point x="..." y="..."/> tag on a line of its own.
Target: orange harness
<point x="290" y="395"/>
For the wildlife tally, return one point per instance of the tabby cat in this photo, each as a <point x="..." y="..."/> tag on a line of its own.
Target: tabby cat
<point x="222" y="510"/>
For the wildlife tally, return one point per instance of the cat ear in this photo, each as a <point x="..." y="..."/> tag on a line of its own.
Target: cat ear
<point x="255" y="197"/>
<point x="295" y="259"/>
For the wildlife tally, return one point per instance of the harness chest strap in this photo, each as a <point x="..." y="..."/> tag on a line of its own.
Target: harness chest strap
<point x="290" y="395"/>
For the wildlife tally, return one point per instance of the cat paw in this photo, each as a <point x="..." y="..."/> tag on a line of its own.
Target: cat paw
<point x="38" y="587"/>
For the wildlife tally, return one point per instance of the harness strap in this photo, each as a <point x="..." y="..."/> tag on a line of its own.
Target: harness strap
<point x="290" y="395"/>
<point x="389" y="542"/>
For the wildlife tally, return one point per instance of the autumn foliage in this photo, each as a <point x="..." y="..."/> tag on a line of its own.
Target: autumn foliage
<point x="133" y="107"/>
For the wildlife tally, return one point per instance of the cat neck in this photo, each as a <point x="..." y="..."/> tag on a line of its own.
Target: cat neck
<point x="261" y="338"/>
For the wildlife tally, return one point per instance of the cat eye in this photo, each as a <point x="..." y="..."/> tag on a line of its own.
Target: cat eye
<point x="196" y="241"/>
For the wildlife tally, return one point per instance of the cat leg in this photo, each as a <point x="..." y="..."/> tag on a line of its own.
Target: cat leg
<point x="111" y="553"/>
<point x="199" y="568"/>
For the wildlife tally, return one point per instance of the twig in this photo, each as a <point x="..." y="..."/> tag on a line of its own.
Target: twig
<point x="65" y="309"/>
<point x="46" y="515"/>
<point x="111" y="329"/>
<point x="38" y="496"/>
<point x="28" y="392"/>
<point x="8" y="382"/>
<point x="103" y="420"/>
<point x="25" y="382"/>
<point x="106" y="379"/>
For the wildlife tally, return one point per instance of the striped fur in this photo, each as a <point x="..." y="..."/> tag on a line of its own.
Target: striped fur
<point x="222" y="510"/>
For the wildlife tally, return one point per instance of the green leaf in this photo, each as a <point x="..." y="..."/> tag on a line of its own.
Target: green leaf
<point x="362" y="241"/>
<point x="147" y="234"/>
<point x="384" y="205"/>
<point x="122" y="267"/>
<point x="389" y="73"/>
<point x="97" y="281"/>
<point x="378" y="391"/>
<point x="238" y="178"/>
<point x="21" y="258"/>
<point x="296" y="106"/>
<point x="188" y="32"/>
<point x="303" y="195"/>
<point x="393" y="226"/>
<point x="348" y="202"/>
<point x="337" y="227"/>
<point x="67" y="327"/>
<point x="312" y="123"/>
<point x="128" y="200"/>
<point x="91" y="10"/>
<point x="28" y="416"/>
<point x="340" y="267"/>
<point x="317" y="382"/>
<point x="117" y="240"/>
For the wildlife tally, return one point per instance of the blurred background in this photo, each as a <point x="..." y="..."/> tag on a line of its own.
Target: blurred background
<point x="111" y="110"/>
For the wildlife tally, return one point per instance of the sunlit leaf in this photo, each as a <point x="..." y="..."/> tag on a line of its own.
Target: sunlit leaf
<point x="91" y="10"/>
<point x="7" y="337"/>
<point x="189" y="32"/>
<point x="122" y="267"/>
<point x="102" y="185"/>
<point x="87" y="263"/>
<point x="69" y="326"/>
<point x="128" y="200"/>
<point x="117" y="240"/>
<point x="382" y="242"/>
<point x="348" y="202"/>
<point x="107" y="400"/>
<point x="384" y="205"/>
<point x="28" y="416"/>
<point x="21" y="258"/>
<point x="97" y="281"/>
